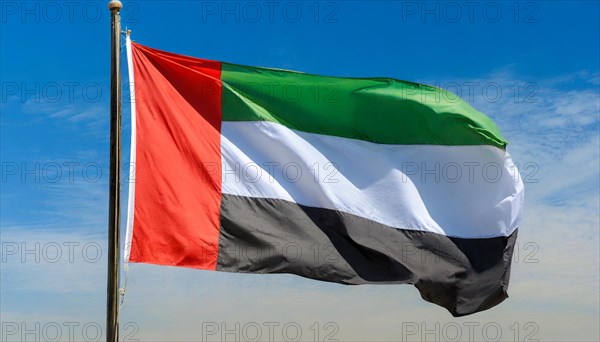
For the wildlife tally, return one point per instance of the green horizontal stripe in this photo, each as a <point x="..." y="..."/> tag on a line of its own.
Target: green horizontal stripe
<point x="379" y="110"/>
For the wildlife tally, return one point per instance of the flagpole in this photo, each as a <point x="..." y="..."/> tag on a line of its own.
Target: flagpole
<point x="114" y="197"/>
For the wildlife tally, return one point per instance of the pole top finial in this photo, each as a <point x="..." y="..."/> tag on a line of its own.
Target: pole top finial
<point x="115" y="5"/>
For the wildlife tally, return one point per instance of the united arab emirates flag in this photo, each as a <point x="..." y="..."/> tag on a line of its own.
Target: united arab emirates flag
<point x="348" y="180"/>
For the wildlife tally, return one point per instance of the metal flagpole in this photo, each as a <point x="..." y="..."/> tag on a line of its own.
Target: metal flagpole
<point x="114" y="197"/>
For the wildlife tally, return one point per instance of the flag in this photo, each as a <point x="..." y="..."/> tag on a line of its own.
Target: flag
<point x="348" y="180"/>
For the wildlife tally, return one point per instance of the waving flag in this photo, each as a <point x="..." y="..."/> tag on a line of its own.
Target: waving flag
<point x="348" y="180"/>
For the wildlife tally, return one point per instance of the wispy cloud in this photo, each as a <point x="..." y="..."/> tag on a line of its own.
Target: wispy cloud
<point x="89" y="118"/>
<point x="552" y="126"/>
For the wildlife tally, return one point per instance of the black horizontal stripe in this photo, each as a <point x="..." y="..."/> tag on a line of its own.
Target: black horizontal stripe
<point x="276" y="236"/>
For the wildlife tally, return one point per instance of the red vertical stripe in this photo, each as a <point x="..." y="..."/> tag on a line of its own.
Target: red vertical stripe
<point x="178" y="159"/>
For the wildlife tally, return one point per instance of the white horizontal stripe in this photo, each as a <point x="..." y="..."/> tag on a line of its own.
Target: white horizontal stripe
<point x="458" y="191"/>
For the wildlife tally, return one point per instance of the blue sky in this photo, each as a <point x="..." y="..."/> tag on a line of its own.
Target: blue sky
<point x="531" y="66"/>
